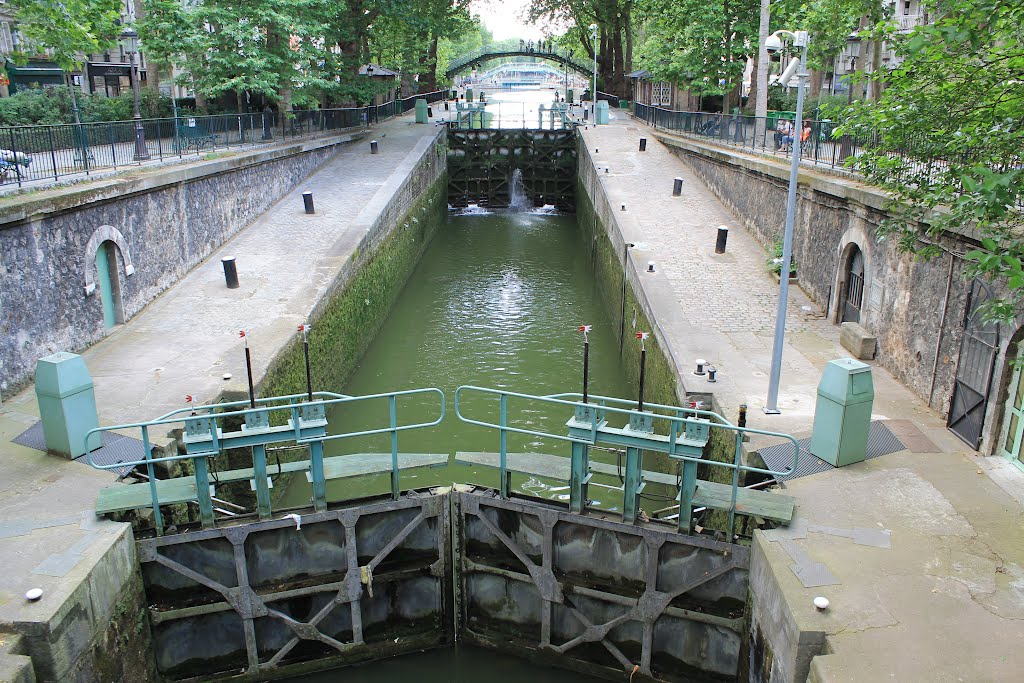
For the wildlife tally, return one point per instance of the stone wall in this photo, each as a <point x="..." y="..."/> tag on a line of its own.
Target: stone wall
<point x="905" y="298"/>
<point x="163" y="222"/>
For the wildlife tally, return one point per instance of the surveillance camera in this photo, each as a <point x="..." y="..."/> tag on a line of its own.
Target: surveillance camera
<point x="773" y="43"/>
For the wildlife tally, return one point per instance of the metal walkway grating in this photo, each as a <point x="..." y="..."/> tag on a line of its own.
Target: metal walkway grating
<point x="116" y="448"/>
<point x="881" y="441"/>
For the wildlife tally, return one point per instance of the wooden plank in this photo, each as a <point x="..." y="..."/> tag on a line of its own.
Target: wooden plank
<point x="183" y="489"/>
<point x="359" y="464"/>
<point x="134" y="496"/>
<point x="765" y="504"/>
<point x="550" y="466"/>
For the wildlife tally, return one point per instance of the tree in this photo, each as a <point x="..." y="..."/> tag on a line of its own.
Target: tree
<point x="946" y="138"/>
<point x="703" y="44"/>
<point x="65" y="30"/>
<point x="615" y="34"/>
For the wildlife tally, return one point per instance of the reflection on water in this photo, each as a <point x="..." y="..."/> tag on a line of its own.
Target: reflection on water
<point x="495" y="302"/>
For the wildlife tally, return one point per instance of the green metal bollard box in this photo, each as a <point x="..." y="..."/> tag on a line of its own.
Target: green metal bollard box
<point x="421" y="111"/>
<point x="601" y="117"/>
<point x="67" y="404"/>
<point x="842" y="415"/>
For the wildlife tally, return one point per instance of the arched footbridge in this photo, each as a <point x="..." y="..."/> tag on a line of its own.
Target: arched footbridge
<point x="467" y="61"/>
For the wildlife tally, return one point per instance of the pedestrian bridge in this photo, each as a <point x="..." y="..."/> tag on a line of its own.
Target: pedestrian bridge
<point x="554" y="54"/>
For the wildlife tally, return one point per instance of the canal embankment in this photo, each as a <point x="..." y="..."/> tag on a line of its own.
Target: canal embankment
<point x="185" y="342"/>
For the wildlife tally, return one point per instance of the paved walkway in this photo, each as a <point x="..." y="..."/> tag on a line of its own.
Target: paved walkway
<point x="944" y="600"/>
<point x="181" y="344"/>
<point x="722" y="307"/>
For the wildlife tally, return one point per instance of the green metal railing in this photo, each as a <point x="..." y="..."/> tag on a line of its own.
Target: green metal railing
<point x="687" y="432"/>
<point x="205" y="437"/>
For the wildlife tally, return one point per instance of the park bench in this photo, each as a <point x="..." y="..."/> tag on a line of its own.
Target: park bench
<point x="196" y="137"/>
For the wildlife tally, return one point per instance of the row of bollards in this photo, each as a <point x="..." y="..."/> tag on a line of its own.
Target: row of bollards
<point x="229" y="263"/>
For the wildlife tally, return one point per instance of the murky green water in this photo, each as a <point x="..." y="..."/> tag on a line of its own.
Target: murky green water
<point x="449" y="665"/>
<point x="495" y="302"/>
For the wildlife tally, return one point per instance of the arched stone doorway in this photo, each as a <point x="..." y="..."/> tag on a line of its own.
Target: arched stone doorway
<point x="109" y="284"/>
<point x="102" y="272"/>
<point x="851" y="295"/>
<point x="1010" y="440"/>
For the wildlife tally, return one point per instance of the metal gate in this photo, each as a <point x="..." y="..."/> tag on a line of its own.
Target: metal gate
<point x="854" y="287"/>
<point x="978" y="350"/>
<point x="595" y="595"/>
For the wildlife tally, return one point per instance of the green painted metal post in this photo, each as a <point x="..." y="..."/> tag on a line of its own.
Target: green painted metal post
<point x="393" y="417"/>
<point x="203" y="491"/>
<point x="503" y="445"/>
<point x="259" y="473"/>
<point x="632" y="485"/>
<point x="147" y="448"/>
<point x="737" y="461"/>
<point x="316" y="473"/>
<point x="579" y="477"/>
<point x="688" y="487"/>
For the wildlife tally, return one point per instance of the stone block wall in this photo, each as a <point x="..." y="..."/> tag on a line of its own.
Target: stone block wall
<point x="905" y="298"/>
<point x="162" y="223"/>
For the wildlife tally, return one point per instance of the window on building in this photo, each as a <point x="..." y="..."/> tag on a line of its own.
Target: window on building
<point x="662" y="94"/>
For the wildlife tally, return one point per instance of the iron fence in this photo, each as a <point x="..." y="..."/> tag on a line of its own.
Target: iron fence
<point x="823" y="148"/>
<point x="38" y="153"/>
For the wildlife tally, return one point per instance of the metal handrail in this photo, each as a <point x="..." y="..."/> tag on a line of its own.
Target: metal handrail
<point x="636" y="440"/>
<point x="296" y="405"/>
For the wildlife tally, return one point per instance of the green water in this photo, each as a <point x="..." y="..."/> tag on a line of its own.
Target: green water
<point x="496" y="301"/>
<point x="449" y="665"/>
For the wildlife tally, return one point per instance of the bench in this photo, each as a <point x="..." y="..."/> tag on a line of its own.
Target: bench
<point x="196" y="137"/>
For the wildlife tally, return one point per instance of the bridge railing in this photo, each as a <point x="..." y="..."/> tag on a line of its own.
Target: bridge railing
<point x="682" y="436"/>
<point x="210" y="430"/>
<point x="40" y="153"/>
<point x="496" y="51"/>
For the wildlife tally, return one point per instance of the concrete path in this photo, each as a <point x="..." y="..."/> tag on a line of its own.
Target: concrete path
<point x="183" y="343"/>
<point x="722" y="307"/>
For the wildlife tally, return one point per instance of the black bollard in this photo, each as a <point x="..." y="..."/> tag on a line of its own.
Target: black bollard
<point x="307" y="201"/>
<point x="723" y="237"/>
<point x="643" y="144"/>
<point x="230" y="272"/>
<point x="677" y="187"/>
<point x="430" y="112"/>
<point x="586" y="114"/>
<point x="373" y="146"/>
<point x="742" y="422"/>
<point x="446" y="106"/>
<point x="711" y="373"/>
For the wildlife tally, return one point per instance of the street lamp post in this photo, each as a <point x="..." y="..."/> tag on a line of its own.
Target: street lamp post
<point x="593" y="93"/>
<point x="141" y="153"/>
<point x="774" y="42"/>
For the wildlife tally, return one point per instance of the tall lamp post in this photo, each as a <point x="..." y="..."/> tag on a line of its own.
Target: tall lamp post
<point x="593" y="93"/>
<point x="141" y="153"/>
<point x="774" y="43"/>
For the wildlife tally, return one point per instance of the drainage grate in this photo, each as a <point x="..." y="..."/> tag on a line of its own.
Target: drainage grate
<point x="116" y="448"/>
<point x="881" y="441"/>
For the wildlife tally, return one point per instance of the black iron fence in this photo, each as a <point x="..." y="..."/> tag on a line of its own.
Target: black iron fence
<point x="35" y="153"/>
<point x="822" y="148"/>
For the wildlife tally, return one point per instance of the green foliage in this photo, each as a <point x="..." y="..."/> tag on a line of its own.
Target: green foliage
<point x="65" y="30"/>
<point x="48" y="106"/>
<point x="774" y="261"/>
<point x="702" y="44"/>
<point x="946" y="138"/>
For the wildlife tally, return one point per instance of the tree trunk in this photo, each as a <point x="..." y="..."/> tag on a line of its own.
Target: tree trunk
<point x="202" y="106"/>
<point x="627" y="17"/>
<point x="761" y="101"/>
<point x="428" y="77"/>
<point x="752" y="95"/>
<point x="816" y="80"/>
